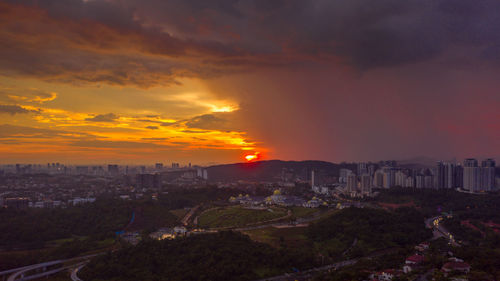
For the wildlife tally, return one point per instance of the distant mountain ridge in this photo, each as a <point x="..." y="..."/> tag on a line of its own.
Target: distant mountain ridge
<point x="271" y="170"/>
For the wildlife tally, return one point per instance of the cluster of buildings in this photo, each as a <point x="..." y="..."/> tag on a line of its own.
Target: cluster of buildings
<point x="56" y="185"/>
<point x="20" y="203"/>
<point x="469" y="176"/>
<point x="111" y="170"/>
<point x="349" y="183"/>
<point x="169" y="233"/>
<point x="277" y="199"/>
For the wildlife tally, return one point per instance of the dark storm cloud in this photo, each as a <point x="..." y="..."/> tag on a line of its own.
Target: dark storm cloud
<point x="152" y="42"/>
<point x="362" y="33"/>
<point x="110" y="117"/>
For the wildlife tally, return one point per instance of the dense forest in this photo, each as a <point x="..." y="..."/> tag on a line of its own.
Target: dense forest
<point x="33" y="227"/>
<point x="220" y="256"/>
<point x="431" y="202"/>
<point x="360" y="231"/>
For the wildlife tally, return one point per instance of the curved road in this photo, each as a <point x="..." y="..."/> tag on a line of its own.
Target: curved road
<point x="438" y="230"/>
<point x="18" y="273"/>
<point x="74" y="272"/>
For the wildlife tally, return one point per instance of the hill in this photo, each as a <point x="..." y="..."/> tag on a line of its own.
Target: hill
<point x="272" y="170"/>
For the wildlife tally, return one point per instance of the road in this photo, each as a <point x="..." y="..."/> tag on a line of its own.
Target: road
<point x="74" y="272"/>
<point x="298" y="221"/>
<point x="307" y="273"/>
<point x="19" y="273"/>
<point x="438" y="230"/>
<point x="187" y="217"/>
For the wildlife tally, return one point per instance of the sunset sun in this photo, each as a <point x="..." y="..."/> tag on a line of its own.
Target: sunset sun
<point x="252" y="157"/>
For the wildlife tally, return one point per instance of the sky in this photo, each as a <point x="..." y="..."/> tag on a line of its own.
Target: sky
<point x="129" y="81"/>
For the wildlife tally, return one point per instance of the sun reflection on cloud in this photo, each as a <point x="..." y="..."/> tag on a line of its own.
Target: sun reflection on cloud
<point x="227" y="108"/>
<point x="128" y="134"/>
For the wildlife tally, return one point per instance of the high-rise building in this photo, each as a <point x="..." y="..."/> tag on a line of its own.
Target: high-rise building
<point x="366" y="184"/>
<point x="362" y="168"/>
<point x="371" y="169"/>
<point x="82" y="170"/>
<point x="113" y="170"/>
<point x="352" y="183"/>
<point x="472" y="175"/>
<point x="459" y="176"/>
<point x="400" y="178"/>
<point x="148" y="180"/>
<point x="440" y="175"/>
<point x="488" y="175"/>
<point x="378" y="178"/>
<point x="419" y="181"/>
<point x="409" y="182"/>
<point x="389" y="177"/>
<point x="429" y="181"/>
<point x="445" y="175"/>
<point x="424" y="179"/>
<point x="343" y="175"/>
<point x="159" y="166"/>
<point x="312" y="179"/>
<point x="450" y="171"/>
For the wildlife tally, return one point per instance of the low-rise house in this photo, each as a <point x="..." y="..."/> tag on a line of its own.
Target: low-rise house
<point x="456" y="266"/>
<point x="385" y="275"/>
<point x="407" y="268"/>
<point x="422" y="246"/>
<point x="180" y="230"/>
<point x="163" y="233"/>
<point x="455" y="259"/>
<point x="414" y="260"/>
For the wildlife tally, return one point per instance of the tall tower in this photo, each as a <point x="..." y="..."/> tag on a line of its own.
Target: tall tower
<point x="312" y="179"/>
<point x="487" y="174"/>
<point x="362" y="168"/>
<point x="352" y="182"/>
<point x="471" y="175"/>
<point x="440" y="175"/>
<point x="450" y="175"/>
<point x="366" y="184"/>
<point x="459" y="176"/>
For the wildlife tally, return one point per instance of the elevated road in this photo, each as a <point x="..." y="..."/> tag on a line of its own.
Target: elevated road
<point x="74" y="272"/>
<point x="21" y="273"/>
